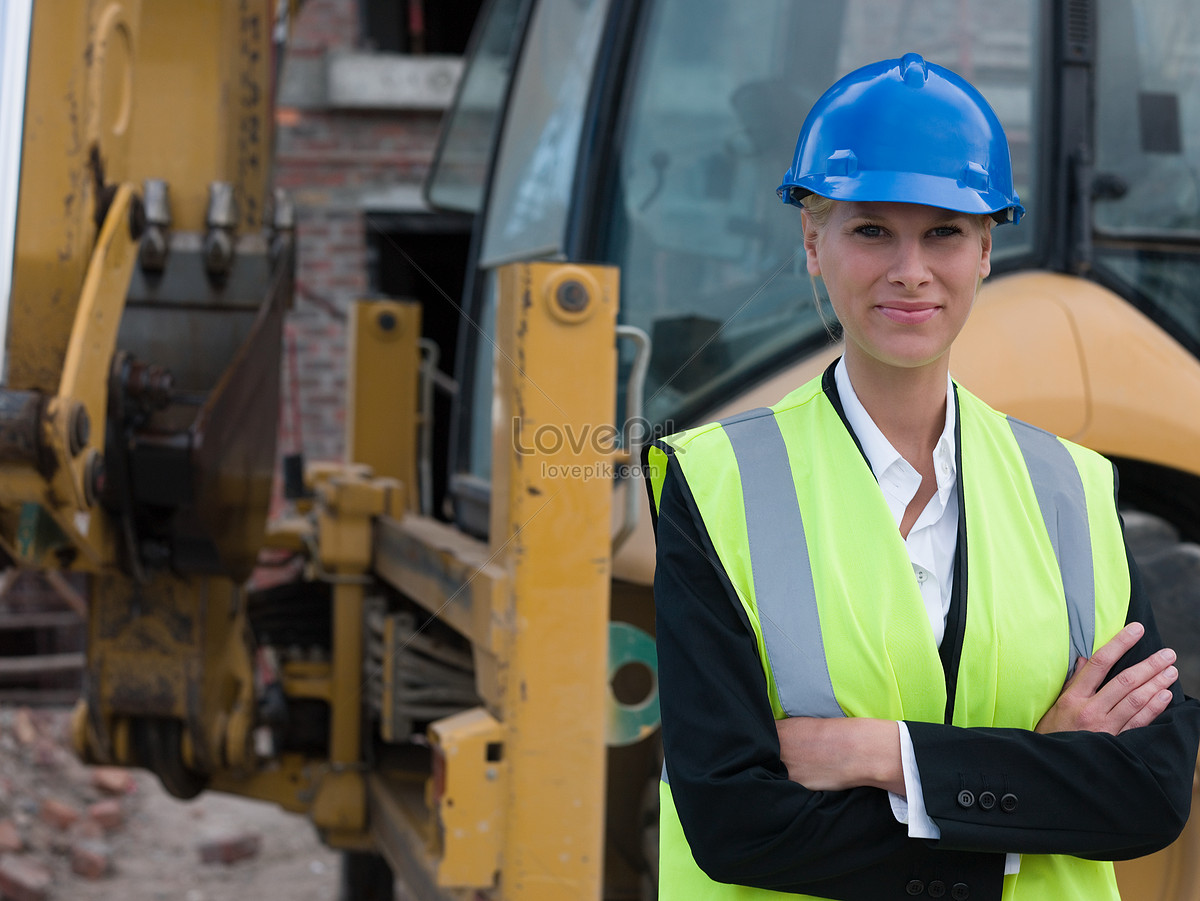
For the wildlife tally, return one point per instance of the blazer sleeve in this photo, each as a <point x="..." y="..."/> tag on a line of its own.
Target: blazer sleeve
<point x="745" y="822"/>
<point x="1088" y="794"/>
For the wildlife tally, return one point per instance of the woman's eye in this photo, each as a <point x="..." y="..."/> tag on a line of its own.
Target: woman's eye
<point x="947" y="231"/>
<point x="869" y="231"/>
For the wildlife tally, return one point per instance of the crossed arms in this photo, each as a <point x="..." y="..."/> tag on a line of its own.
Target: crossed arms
<point x="798" y="807"/>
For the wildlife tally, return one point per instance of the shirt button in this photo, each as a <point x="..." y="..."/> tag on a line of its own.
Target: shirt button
<point x="922" y="576"/>
<point x="1008" y="803"/>
<point x="987" y="800"/>
<point x="966" y="799"/>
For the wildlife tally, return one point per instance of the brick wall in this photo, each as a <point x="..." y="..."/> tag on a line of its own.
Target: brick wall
<point x="323" y="25"/>
<point x="333" y="163"/>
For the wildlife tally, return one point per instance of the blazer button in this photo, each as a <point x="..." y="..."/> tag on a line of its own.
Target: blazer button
<point x="915" y="887"/>
<point x="966" y="799"/>
<point x="960" y="892"/>
<point x="937" y="888"/>
<point x="1008" y="803"/>
<point x="987" y="800"/>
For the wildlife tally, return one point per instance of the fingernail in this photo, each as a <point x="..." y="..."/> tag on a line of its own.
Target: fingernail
<point x="1166" y="655"/>
<point x="1171" y="673"/>
<point x="1135" y="629"/>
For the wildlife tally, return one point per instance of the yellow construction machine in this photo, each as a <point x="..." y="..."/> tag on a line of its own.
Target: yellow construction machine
<point x="144" y="277"/>
<point x="459" y="690"/>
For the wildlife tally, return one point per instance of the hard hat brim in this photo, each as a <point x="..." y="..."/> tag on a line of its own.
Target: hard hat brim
<point x="905" y="187"/>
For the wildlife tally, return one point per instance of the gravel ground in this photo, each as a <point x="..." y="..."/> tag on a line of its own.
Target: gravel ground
<point x="155" y="851"/>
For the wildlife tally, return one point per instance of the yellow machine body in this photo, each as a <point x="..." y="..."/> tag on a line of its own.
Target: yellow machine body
<point x="480" y="712"/>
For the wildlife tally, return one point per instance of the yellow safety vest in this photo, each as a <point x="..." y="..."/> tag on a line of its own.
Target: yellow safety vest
<point x="798" y="563"/>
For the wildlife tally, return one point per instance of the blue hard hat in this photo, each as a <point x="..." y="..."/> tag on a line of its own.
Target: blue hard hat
<point x="909" y="131"/>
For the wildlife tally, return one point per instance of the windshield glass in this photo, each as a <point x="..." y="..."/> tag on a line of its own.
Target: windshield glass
<point x="712" y="264"/>
<point x="459" y="169"/>
<point x="14" y="54"/>
<point x="535" y="166"/>
<point x="1148" y="119"/>
<point x="1147" y="175"/>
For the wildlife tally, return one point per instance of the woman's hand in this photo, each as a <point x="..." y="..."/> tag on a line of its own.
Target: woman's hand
<point x="836" y="754"/>
<point x="1135" y="697"/>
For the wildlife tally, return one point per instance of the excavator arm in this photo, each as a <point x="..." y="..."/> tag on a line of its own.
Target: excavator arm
<point x="151" y="271"/>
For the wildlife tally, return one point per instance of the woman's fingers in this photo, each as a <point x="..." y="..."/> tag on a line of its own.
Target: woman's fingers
<point x="1133" y="697"/>
<point x="1143" y="705"/>
<point x="1097" y="667"/>
<point x="1132" y="689"/>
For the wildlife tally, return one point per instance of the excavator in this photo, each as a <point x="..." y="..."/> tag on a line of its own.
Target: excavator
<point x="457" y="687"/>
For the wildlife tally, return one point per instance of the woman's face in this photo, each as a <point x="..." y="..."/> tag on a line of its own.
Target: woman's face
<point x="901" y="277"/>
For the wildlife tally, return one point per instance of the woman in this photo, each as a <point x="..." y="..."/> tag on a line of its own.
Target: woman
<point x="871" y="595"/>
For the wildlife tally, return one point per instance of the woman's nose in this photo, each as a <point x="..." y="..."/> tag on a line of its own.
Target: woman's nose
<point x="909" y="267"/>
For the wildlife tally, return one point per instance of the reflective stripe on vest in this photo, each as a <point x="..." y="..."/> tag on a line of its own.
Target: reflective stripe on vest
<point x="1059" y="490"/>
<point x="782" y="573"/>
<point x="779" y="561"/>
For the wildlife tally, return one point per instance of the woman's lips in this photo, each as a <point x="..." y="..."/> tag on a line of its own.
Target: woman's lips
<point x="908" y="314"/>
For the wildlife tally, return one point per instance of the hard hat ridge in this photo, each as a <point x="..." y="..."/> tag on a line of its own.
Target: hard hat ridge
<point x="914" y="69"/>
<point x="905" y="130"/>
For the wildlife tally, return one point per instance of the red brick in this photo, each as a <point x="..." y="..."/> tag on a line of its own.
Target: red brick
<point x="46" y="753"/>
<point x="23" y="726"/>
<point x="322" y="24"/>
<point x="23" y="879"/>
<point x="107" y="813"/>
<point x="91" y="859"/>
<point x="59" y="814"/>
<point x="10" y="837"/>
<point x="112" y="780"/>
<point x="86" y="828"/>
<point x="229" y="848"/>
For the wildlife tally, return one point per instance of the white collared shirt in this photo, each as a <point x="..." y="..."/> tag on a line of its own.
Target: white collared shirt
<point x="931" y="543"/>
<point x="934" y="536"/>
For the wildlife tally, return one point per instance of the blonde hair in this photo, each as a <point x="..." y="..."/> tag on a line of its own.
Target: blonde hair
<point x="821" y="208"/>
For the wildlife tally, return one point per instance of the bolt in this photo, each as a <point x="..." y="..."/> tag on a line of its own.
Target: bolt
<point x="572" y="296"/>
<point x="218" y="253"/>
<point x="152" y="253"/>
<point x="221" y="219"/>
<point x="386" y="321"/>
<point x="157" y="201"/>
<point x="150" y="384"/>
<point x="222" y="206"/>
<point x="93" y="477"/>
<point x="79" y="429"/>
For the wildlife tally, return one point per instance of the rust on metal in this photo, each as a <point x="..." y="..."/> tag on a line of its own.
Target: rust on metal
<point x="21" y="427"/>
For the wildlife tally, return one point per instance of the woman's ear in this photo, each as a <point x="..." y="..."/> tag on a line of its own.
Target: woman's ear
<point x="985" y="259"/>
<point x="811" y="232"/>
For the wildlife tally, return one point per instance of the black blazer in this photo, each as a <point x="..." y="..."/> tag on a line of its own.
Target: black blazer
<point x="990" y="790"/>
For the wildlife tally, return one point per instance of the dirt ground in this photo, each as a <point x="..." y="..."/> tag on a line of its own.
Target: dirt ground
<point x="156" y="858"/>
<point x="155" y="851"/>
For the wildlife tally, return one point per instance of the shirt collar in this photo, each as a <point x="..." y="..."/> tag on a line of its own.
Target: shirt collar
<point x="879" y="451"/>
